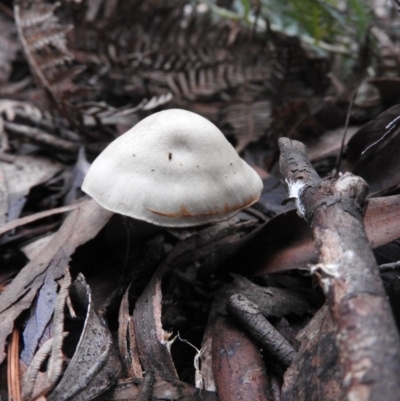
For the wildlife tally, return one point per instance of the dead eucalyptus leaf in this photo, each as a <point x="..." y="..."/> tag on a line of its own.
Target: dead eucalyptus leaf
<point x="286" y="242"/>
<point x="32" y="248"/>
<point x="380" y="165"/>
<point x="95" y="365"/>
<point x="382" y="220"/>
<point x="23" y="174"/>
<point x="80" y="226"/>
<point x="9" y="47"/>
<point x="328" y="144"/>
<point x="388" y="87"/>
<point x="34" y="217"/>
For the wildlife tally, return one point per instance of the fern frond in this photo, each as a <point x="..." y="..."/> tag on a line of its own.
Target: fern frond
<point x="54" y="36"/>
<point x="37" y="13"/>
<point x="44" y="43"/>
<point x="249" y="122"/>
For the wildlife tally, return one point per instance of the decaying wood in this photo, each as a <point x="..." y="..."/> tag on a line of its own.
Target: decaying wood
<point x="367" y="338"/>
<point x="261" y="329"/>
<point x="316" y="373"/>
<point x="235" y="357"/>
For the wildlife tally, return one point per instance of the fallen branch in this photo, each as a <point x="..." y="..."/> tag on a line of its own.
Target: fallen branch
<point x="368" y="342"/>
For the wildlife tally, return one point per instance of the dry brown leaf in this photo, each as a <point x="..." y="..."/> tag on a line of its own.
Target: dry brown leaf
<point x="44" y="43"/>
<point x="286" y="242"/>
<point x="37" y="216"/>
<point x="378" y="164"/>
<point x="9" y="46"/>
<point x="329" y="143"/>
<point x="95" y="365"/>
<point x="80" y="226"/>
<point x="21" y="176"/>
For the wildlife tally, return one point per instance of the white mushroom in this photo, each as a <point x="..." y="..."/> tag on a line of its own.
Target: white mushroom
<point x="174" y="169"/>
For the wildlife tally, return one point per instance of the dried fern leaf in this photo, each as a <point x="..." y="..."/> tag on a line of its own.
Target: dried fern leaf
<point x="44" y="43"/>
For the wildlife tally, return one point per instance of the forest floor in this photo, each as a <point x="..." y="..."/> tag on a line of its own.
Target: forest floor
<point x="295" y="297"/>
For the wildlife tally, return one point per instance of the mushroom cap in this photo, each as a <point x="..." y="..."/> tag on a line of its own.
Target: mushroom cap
<point x="173" y="169"/>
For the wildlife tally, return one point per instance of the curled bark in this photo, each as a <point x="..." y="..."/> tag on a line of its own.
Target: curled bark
<point x="152" y="341"/>
<point x="367" y="338"/>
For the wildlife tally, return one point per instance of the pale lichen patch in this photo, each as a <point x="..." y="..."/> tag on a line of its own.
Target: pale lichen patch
<point x="295" y="189"/>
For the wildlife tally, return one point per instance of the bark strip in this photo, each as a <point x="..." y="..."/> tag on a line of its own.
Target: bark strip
<point x="368" y="342"/>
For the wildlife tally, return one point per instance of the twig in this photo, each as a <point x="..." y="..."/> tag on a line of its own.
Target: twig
<point x="389" y="267"/>
<point x="346" y="126"/>
<point x="367" y="338"/>
<point x="146" y="391"/>
<point x="261" y="329"/>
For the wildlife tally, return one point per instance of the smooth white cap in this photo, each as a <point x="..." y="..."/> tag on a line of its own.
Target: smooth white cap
<point x="174" y="169"/>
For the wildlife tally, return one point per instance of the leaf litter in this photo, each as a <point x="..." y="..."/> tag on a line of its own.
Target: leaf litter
<point x="76" y="75"/>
